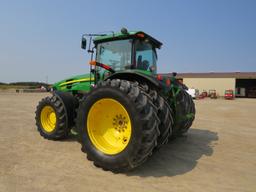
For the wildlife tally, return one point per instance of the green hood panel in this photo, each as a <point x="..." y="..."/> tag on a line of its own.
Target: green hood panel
<point x="75" y="83"/>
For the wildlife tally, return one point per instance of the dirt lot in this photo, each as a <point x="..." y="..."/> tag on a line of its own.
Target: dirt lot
<point x="218" y="154"/>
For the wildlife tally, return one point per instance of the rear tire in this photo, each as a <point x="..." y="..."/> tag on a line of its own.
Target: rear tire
<point x="142" y="117"/>
<point x="184" y="113"/>
<point x="164" y="113"/>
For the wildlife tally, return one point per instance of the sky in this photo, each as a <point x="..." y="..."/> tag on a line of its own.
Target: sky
<point x="40" y="40"/>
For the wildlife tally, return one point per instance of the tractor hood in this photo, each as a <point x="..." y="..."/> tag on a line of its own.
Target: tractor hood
<point x="75" y="83"/>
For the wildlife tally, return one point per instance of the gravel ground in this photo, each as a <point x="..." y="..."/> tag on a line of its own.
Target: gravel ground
<point x="217" y="154"/>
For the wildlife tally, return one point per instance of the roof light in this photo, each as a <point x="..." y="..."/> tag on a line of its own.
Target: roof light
<point x="140" y="35"/>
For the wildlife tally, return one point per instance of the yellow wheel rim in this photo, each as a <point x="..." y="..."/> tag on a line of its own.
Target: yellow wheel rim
<point x="109" y="126"/>
<point x="48" y="119"/>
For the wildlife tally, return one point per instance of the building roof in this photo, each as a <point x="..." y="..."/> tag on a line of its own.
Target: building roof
<point x="237" y="75"/>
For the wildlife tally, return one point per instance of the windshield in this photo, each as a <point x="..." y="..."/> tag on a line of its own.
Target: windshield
<point x="145" y="56"/>
<point x="116" y="54"/>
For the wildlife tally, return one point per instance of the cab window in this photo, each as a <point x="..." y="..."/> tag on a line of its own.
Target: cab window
<point x="145" y="56"/>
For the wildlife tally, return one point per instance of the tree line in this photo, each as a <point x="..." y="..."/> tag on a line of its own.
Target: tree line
<point x="30" y="84"/>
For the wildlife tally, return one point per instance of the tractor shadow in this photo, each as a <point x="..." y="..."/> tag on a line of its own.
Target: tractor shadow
<point x="179" y="156"/>
<point x="72" y="137"/>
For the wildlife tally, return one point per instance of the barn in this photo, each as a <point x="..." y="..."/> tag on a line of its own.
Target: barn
<point x="244" y="83"/>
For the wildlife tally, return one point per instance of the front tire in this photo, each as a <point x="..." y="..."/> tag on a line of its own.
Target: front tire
<point x="51" y="118"/>
<point x="118" y="125"/>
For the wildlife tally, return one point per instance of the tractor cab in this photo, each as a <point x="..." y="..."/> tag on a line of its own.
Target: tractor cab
<point x="123" y="51"/>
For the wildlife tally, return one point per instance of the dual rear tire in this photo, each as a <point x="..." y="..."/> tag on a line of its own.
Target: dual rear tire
<point x="184" y="113"/>
<point x="118" y="124"/>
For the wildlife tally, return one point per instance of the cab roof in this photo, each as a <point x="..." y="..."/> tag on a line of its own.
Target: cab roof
<point x="128" y="35"/>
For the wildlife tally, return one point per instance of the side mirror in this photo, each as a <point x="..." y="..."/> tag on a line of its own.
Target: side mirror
<point x="83" y="43"/>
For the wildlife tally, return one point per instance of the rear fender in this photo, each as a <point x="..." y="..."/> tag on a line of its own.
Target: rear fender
<point x="139" y="77"/>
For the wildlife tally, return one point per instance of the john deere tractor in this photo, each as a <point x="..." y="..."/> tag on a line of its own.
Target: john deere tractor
<point x="123" y="111"/>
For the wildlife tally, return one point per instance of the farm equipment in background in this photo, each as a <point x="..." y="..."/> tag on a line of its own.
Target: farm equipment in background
<point x="202" y="95"/>
<point x="212" y="94"/>
<point x="229" y="94"/>
<point x="122" y="110"/>
<point x="194" y="93"/>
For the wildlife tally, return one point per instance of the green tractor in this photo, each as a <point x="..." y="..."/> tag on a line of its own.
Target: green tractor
<point x="122" y="111"/>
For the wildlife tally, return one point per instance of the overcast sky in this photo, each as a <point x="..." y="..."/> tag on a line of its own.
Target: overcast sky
<point x="40" y="39"/>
